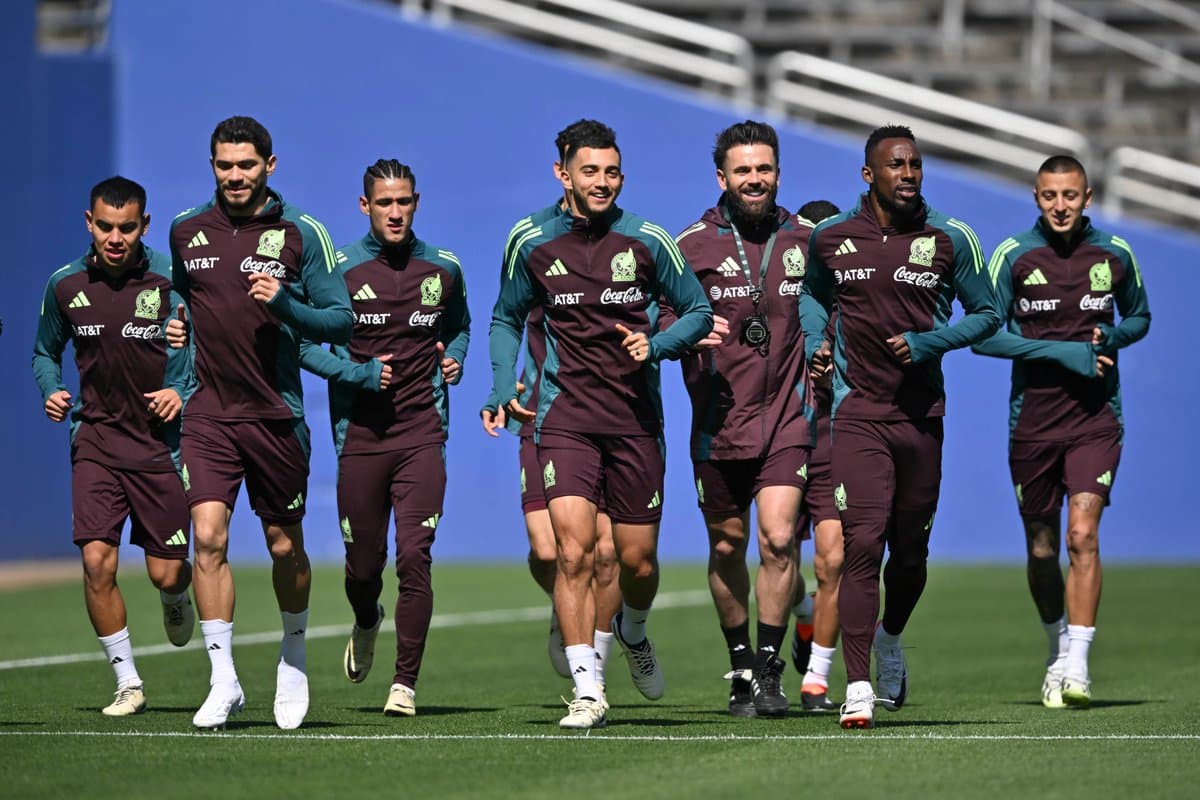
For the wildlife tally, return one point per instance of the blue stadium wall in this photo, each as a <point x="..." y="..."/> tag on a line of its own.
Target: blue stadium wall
<point x="340" y="84"/>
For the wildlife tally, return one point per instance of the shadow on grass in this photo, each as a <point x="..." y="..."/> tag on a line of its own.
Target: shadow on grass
<point x="428" y="711"/>
<point x="1094" y="704"/>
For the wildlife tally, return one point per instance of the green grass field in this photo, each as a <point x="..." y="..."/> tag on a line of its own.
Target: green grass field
<point x="488" y="703"/>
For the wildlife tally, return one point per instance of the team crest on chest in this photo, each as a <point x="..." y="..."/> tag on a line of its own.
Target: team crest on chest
<point x="922" y="250"/>
<point x="270" y="244"/>
<point x="431" y="291"/>
<point x="793" y="262"/>
<point x="1101" y="277"/>
<point x="147" y="304"/>
<point x="624" y="266"/>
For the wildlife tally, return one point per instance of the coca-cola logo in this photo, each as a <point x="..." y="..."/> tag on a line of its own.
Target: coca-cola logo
<point x="419" y="320"/>
<point x="1089" y="303"/>
<point x="272" y="268"/>
<point x="923" y="280"/>
<point x="131" y="331"/>
<point x="790" y="288"/>
<point x="611" y="297"/>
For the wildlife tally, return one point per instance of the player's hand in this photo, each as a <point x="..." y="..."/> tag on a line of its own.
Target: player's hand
<point x="1102" y="363"/>
<point x="493" y="421"/>
<point x="899" y="347"/>
<point x="720" y="330"/>
<point x="164" y="404"/>
<point x="451" y="369"/>
<point x="519" y="412"/>
<point x="821" y="367"/>
<point x="57" y="405"/>
<point x="637" y="344"/>
<point x="385" y="372"/>
<point x="264" y="287"/>
<point x="177" y="329"/>
<point x="1098" y="337"/>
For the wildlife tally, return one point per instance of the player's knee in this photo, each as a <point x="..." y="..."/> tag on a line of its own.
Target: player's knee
<point x="828" y="567"/>
<point x="169" y="574"/>
<point x="1083" y="540"/>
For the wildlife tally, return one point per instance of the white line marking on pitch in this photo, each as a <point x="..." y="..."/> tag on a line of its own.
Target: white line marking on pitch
<point x="531" y="614"/>
<point x="499" y="737"/>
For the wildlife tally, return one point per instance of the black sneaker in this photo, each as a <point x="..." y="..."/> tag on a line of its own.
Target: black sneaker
<point x="741" y="693"/>
<point x="813" y="697"/>
<point x="767" y="685"/>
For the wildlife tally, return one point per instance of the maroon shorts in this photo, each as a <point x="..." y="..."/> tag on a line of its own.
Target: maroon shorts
<point x="728" y="486"/>
<point x="102" y="497"/>
<point x="533" y="495"/>
<point x="879" y="467"/>
<point x="1043" y="472"/>
<point x="270" y="455"/>
<point x="622" y="475"/>
<point x="817" y="505"/>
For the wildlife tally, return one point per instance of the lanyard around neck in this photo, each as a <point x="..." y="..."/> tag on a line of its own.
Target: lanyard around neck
<point x="741" y="249"/>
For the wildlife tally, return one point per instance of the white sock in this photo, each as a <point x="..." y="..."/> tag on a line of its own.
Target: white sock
<point x="602" y="643"/>
<point x="172" y="599"/>
<point x="582" y="659"/>
<point x="218" y="641"/>
<point x="819" y="664"/>
<point x="1056" y="640"/>
<point x="1080" y="641"/>
<point x="120" y="657"/>
<point x="633" y="624"/>
<point x="291" y="647"/>
<point x="803" y="609"/>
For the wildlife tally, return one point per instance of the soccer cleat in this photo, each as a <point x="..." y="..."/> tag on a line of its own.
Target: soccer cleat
<point x="741" y="693"/>
<point x="859" y="709"/>
<point x="555" y="649"/>
<point x="129" y="700"/>
<point x="891" y="673"/>
<point x="584" y="713"/>
<point x="401" y="702"/>
<point x="767" y="685"/>
<point x="1052" y="689"/>
<point x="291" y="696"/>
<point x="603" y="695"/>
<point x="223" y="701"/>
<point x="815" y="697"/>
<point x="360" y="650"/>
<point x="643" y="663"/>
<point x="802" y="640"/>
<point x="1076" y="692"/>
<point x="179" y="620"/>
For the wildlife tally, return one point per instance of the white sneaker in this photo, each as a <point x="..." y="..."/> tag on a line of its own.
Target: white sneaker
<point x="859" y="709"/>
<point x="643" y="664"/>
<point x="1052" y="688"/>
<point x="291" y="696"/>
<point x="1076" y="692"/>
<point x="223" y="701"/>
<point x="401" y="702"/>
<point x="360" y="650"/>
<point x="584" y="714"/>
<point x="129" y="700"/>
<point x="555" y="649"/>
<point x="603" y="696"/>
<point x="179" y="620"/>
<point x="891" y="673"/>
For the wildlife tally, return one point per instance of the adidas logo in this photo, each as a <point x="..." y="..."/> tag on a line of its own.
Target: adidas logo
<point x="556" y="269"/>
<point x="365" y="293"/>
<point x="178" y="540"/>
<point x="297" y="503"/>
<point x="729" y="268"/>
<point x="199" y="240"/>
<point x="803" y="472"/>
<point x="79" y="301"/>
<point x="579" y="669"/>
<point x="347" y="534"/>
<point x="297" y="633"/>
<point x="1036" y="278"/>
<point x="214" y="646"/>
<point x="845" y="248"/>
<point x="432" y="522"/>
<point x="1105" y="479"/>
<point x="116" y="660"/>
<point x="655" y="501"/>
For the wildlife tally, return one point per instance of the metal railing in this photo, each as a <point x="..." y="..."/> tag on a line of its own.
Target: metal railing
<point x="1176" y="186"/>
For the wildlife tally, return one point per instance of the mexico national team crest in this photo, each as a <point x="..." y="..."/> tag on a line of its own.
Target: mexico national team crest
<point x="793" y="262"/>
<point x="270" y="244"/>
<point x="921" y="252"/>
<point x="1101" y="277"/>
<point x="624" y="266"/>
<point x="431" y="291"/>
<point x="147" y="304"/>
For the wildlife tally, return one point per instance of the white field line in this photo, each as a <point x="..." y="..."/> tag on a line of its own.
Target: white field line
<point x="567" y="737"/>
<point x="499" y="616"/>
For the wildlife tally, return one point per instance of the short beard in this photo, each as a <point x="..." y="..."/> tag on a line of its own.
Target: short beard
<point x="742" y="215"/>
<point x="896" y="210"/>
<point x="245" y="209"/>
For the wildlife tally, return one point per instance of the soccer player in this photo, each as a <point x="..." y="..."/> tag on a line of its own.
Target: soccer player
<point x="893" y="265"/>
<point x="112" y="303"/>
<point x="597" y="272"/>
<point x="751" y="405"/>
<point x="816" y="628"/>
<point x="1057" y="285"/>
<point x="258" y="274"/>
<point x="389" y="407"/>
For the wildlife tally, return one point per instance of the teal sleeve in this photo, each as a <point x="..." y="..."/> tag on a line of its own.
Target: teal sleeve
<point x="982" y="317"/>
<point x="336" y="366"/>
<point x="504" y="335"/>
<point x="179" y="276"/>
<point x="682" y="291"/>
<point x="456" y="331"/>
<point x="48" y="347"/>
<point x="816" y="298"/>
<point x="1134" y="307"/>
<point x="321" y="311"/>
<point x="180" y="373"/>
